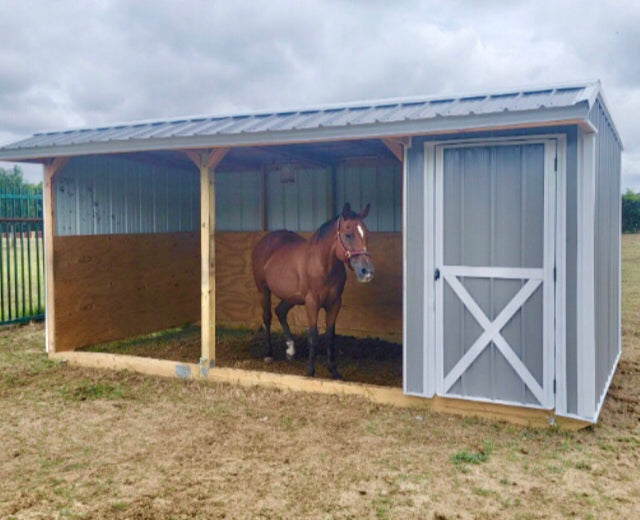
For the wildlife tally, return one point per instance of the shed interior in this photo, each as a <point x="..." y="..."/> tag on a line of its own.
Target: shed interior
<point x="127" y="246"/>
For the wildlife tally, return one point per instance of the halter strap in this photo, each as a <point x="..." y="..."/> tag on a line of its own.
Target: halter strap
<point x="348" y="253"/>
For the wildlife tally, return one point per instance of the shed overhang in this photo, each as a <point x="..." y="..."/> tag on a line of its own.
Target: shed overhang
<point x="551" y="106"/>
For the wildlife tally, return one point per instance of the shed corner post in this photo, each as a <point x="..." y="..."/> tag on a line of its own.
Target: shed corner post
<point x="586" y="355"/>
<point x="206" y="161"/>
<point x="51" y="166"/>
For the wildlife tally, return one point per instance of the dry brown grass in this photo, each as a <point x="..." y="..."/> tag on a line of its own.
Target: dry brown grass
<point x="77" y="443"/>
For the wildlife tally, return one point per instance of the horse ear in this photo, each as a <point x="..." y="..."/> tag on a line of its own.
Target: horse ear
<point x="346" y="210"/>
<point x="365" y="211"/>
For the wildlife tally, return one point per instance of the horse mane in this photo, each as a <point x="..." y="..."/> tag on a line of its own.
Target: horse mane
<point x="323" y="231"/>
<point x="329" y="227"/>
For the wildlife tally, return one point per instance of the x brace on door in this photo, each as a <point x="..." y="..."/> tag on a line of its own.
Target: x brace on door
<point x="492" y="329"/>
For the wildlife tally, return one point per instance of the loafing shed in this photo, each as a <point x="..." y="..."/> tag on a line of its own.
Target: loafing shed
<point x="495" y="223"/>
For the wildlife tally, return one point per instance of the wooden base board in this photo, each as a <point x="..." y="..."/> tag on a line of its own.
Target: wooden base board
<point x="535" y="418"/>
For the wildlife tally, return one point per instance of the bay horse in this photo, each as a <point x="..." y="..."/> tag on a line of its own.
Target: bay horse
<point x="311" y="273"/>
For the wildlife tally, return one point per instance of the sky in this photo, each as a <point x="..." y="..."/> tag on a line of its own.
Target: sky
<point x="66" y="64"/>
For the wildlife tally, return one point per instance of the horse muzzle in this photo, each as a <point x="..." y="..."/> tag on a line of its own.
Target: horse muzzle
<point x="363" y="268"/>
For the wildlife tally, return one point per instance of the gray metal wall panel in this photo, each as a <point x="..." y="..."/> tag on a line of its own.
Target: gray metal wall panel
<point x="607" y="244"/>
<point x="65" y="193"/>
<point x="105" y="195"/>
<point x="493" y="215"/>
<point x="237" y="201"/>
<point x="300" y="205"/>
<point x="381" y="186"/>
<point x="415" y="272"/>
<point x="117" y="200"/>
<point x="571" y="348"/>
<point x="84" y="206"/>
<point x="160" y="197"/>
<point x="102" y="195"/>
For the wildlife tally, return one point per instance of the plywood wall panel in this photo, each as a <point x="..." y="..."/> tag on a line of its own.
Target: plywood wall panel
<point x="110" y="287"/>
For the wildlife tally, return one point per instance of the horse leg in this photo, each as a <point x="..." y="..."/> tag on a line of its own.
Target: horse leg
<point x="266" y="316"/>
<point x="312" y="334"/>
<point x="282" y="310"/>
<point x="332" y="315"/>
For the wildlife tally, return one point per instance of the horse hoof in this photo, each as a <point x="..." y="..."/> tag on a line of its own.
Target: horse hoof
<point x="268" y="359"/>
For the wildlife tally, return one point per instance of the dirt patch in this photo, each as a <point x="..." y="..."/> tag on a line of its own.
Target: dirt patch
<point x="368" y="360"/>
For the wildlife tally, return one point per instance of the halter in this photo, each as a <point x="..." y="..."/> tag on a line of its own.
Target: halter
<point x="348" y="253"/>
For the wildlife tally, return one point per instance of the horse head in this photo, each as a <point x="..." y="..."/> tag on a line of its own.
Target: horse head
<point x="352" y="234"/>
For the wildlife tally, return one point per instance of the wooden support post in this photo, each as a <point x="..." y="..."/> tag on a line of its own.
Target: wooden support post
<point x="50" y="169"/>
<point x="396" y="147"/>
<point x="206" y="161"/>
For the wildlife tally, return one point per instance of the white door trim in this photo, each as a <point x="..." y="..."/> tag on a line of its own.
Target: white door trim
<point x="429" y="303"/>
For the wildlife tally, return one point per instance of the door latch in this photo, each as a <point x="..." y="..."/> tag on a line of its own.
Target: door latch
<point x="436" y="275"/>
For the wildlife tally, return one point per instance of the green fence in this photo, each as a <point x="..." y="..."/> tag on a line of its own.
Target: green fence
<point x="21" y="254"/>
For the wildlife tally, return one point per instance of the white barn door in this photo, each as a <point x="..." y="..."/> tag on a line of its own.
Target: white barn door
<point x="494" y="276"/>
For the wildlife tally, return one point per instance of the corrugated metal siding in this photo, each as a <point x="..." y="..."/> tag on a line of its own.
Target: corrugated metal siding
<point x="607" y="247"/>
<point x="107" y="195"/>
<point x="414" y="347"/>
<point x="301" y="205"/>
<point x="110" y="194"/>
<point x="571" y="244"/>
<point x="238" y="201"/>
<point x="381" y="186"/>
<point x="346" y="115"/>
<point x="493" y="217"/>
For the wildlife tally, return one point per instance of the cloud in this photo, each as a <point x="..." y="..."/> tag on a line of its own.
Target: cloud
<point x="92" y="63"/>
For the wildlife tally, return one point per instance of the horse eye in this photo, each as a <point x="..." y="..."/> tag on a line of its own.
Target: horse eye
<point x="349" y="236"/>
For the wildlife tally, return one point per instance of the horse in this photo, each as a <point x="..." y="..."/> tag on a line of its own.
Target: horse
<point x="311" y="273"/>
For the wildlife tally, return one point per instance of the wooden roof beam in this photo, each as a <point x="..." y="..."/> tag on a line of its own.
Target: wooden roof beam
<point x="396" y="146"/>
<point x="207" y="158"/>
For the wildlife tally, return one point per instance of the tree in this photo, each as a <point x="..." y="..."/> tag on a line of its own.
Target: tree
<point x="630" y="212"/>
<point x="12" y="178"/>
<point x="19" y="198"/>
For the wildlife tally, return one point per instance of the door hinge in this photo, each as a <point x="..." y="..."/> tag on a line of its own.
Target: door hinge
<point x="555" y="164"/>
<point x="555" y="274"/>
<point x="436" y="275"/>
<point x="554" y="386"/>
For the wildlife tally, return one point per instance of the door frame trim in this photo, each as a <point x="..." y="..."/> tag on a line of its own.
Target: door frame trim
<point x="554" y="368"/>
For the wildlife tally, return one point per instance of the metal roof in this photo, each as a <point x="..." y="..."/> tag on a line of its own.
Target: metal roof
<point x="386" y="118"/>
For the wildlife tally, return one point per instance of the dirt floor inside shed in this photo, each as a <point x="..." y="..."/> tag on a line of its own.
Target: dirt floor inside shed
<point x="363" y="360"/>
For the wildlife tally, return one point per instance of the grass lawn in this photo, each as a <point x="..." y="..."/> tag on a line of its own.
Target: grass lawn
<point x="79" y="443"/>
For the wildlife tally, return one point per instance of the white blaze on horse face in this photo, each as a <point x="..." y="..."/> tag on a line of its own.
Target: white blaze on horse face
<point x="291" y="349"/>
<point x="361" y="231"/>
